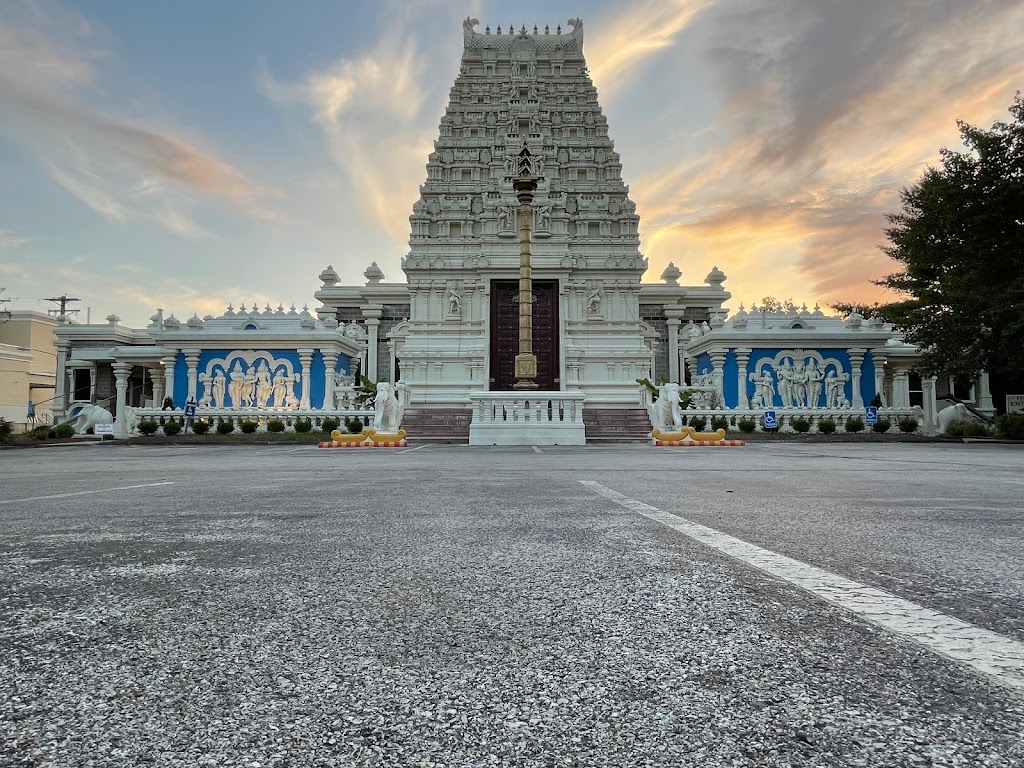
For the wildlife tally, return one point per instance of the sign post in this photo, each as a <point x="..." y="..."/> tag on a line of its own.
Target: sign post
<point x="771" y="420"/>
<point x="871" y="415"/>
<point x="102" y="430"/>
<point x="190" y="412"/>
<point x="1015" y="403"/>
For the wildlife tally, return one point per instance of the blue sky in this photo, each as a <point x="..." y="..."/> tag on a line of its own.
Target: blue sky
<point x="190" y="154"/>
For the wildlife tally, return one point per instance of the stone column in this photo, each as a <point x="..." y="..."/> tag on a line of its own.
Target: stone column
<point x="880" y="380"/>
<point x="92" y="382"/>
<point x="718" y="373"/>
<point x="742" y="358"/>
<point x="330" y="360"/>
<point x="929" y="405"/>
<point x="984" y="400"/>
<point x="372" y="315"/>
<point x="158" y="388"/>
<point x="59" y="405"/>
<point x="673" y="349"/>
<point x="121" y="373"/>
<point x="192" y="359"/>
<point x="168" y="361"/>
<point x="901" y="388"/>
<point x="305" y="357"/>
<point x="856" y="364"/>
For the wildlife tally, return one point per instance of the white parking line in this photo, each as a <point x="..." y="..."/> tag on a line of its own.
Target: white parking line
<point x="85" y="493"/>
<point x="990" y="653"/>
<point x="407" y="450"/>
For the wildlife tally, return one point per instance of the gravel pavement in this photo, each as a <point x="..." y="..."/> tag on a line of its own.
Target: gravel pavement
<point x="450" y="606"/>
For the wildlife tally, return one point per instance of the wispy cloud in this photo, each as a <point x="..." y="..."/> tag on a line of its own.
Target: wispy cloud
<point x="9" y="240"/>
<point x="47" y="68"/>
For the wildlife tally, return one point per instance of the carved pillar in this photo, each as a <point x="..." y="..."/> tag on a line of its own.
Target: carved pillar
<point x="168" y="361"/>
<point x="880" y="380"/>
<point x="984" y="394"/>
<point x="330" y="361"/>
<point x="59" y="406"/>
<point x="372" y="315"/>
<point x="192" y="360"/>
<point x="673" y="349"/>
<point x="718" y="373"/>
<point x="392" y="362"/>
<point x="856" y="363"/>
<point x="901" y="388"/>
<point x="158" y="387"/>
<point x="92" y="382"/>
<point x="742" y="358"/>
<point x="929" y="405"/>
<point x="305" y="358"/>
<point x="121" y="373"/>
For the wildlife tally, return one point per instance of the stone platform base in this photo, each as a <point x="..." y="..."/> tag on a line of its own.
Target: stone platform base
<point x="367" y="444"/>
<point x="701" y="443"/>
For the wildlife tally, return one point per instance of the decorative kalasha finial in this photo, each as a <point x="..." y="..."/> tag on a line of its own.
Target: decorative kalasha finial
<point x="522" y="30"/>
<point x="242" y="308"/>
<point x="499" y="29"/>
<point x="547" y="30"/>
<point x="487" y="29"/>
<point x="230" y="308"/>
<point x="558" y="31"/>
<point x="535" y="29"/>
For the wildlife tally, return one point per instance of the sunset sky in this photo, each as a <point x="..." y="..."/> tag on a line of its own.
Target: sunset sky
<point x="187" y="154"/>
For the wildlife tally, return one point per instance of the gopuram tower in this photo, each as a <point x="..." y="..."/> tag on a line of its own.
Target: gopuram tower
<point x="519" y="88"/>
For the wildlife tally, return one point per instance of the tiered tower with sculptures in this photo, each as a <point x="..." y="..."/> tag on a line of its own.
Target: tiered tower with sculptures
<point x="524" y="87"/>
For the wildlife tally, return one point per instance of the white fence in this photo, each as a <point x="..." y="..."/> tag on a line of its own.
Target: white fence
<point x="527" y="418"/>
<point x="237" y="416"/>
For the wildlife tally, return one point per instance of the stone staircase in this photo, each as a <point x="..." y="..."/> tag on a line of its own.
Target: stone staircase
<point x="617" y="425"/>
<point x="437" y="425"/>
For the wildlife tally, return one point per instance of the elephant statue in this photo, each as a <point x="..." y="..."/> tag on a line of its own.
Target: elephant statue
<point x="387" y="411"/>
<point x="88" y="416"/>
<point x="665" y="412"/>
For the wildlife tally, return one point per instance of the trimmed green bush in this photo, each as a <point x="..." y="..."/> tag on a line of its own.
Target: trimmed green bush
<point x="882" y="425"/>
<point x="168" y="404"/>
<point x="967" y="428"/>
<point x="746" y="425"/>
<point x="907" y="425"/>
<point x="172" y="427"/>
<point x="275" y="425"/>
<point x="64" y="431"/>
<point x="855" y="424"/>
<point x="719" y="422"/>
<point x="354" y="425"/>
<point x="329" y="425"/>
<point x="1010" y="426"/>
<point x="248" y="426"/>
<point x="5" y="429"/>
<point x="200" y="427"/>
<point x="801" y="424"/>
<point x="827" y="426"/>
<point x="148" y="427"/>
<point x="303" y="425"/>
<point x="225" y="427"/>
<point x="698" y="423"/>
<point x="41" y="433"/>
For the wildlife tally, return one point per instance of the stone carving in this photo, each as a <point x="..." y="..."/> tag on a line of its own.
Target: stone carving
<point x="594" y="297"/>
<point x="543" y="218"/>
<point x="665" y="412"/>
<point x="219" y="387"/>
<point x="505" y="218"/>
<point x="454" y="301"/>
<point x="88" y="417"/>
<point x="387" y="411"/>
<point x="254" y="380"/>
<point x="131" y="419"/>
<point x="835" y="390"/>
<point x="764" y="390"/>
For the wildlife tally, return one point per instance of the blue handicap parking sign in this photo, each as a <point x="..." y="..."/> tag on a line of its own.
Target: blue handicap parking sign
<point x="871" y="415"/>
<point x="771" y="420"/>
<point x="190" y="409"/>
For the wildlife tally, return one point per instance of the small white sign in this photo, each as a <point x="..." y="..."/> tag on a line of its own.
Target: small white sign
<point x="103" y="429"/>
<point x="1015" y="403"/>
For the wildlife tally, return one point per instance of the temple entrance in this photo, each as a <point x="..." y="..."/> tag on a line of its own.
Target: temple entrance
<point x="505" y="334"/>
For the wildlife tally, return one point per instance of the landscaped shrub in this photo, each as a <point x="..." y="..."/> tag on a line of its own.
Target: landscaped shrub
<point x="882" y="425"/>
<point x="855" y="424"/>
<point x="353" y="425"/>
<point x="1010" y="426"/>
<point x="908" y="425"/>
<point x="827" y="426"/>
<point x="41" y="433"/>
<point x="329" y="425"/>
<point x="248" y="426"/>
<point x="148" y="427"/>
<point x="967" y="428"/>
<point x="172" y="427"/>
<point x="698" y="423"/>
<point x="719" y="422"/>
<point x="200" y="427"/>
<point x="275" y="425"/>
<point x="303" y="425"/>
<point x="64" y="431"/>
<point x="801" y="424"/>
<point x="746" y="425"/>
<point x="225" y="426"/>
<point x="5" y="429"/>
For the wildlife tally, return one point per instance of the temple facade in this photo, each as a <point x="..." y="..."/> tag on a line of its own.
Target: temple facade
<point x="449" y="330"/>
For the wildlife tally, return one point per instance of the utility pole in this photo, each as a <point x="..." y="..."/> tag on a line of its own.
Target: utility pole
<point x="5" y="314"/>
<point x="63" y="300"/>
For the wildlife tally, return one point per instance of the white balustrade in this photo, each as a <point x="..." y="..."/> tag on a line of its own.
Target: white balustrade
<point x="527" y="418"/>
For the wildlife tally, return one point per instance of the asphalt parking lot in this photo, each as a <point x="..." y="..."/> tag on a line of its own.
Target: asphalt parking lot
<point x="813" y="604"/>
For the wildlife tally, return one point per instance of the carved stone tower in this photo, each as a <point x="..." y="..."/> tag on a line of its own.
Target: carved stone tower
<point x="463" y="264"/>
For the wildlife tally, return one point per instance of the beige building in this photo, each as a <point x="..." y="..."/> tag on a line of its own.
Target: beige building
<point x="28" y="364"/>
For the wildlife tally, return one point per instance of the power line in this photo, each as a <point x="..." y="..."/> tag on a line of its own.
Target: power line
<point x="63" y="300"/>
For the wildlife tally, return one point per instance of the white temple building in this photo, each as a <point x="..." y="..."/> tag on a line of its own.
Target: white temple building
<point x="448" y="330"/>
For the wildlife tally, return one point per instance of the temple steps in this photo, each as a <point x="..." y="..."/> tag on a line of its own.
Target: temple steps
<point x="617" y="425"/>
<point x="451" y="425"/>
<point x="437" y="425"/>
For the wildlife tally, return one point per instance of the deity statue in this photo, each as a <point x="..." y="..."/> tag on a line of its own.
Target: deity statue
<point x="786" y="383"/>
<point x="249" y="389"/>
<point x="219" y="384"/>
<point x="835" y="389"/>
<point x="543" y="218"/>
<point x="454" y="302"/>
<point x="764" y="390"/>
<point x="235" y="388"/>
<point x="799" y="385"/>
<point x="263" y="384"/>
<point x="813" y="376"/>
<point x="594" y="300"/>
<point x="505" y="218"/>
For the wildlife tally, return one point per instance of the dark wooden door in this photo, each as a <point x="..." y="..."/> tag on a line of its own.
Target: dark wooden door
<point x="505" y="334"/>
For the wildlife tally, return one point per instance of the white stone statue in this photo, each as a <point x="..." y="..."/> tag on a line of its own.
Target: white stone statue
<point x="543" y="218"/>
<point x="505" y="218"/>
<point x="131" y="419"/>
<point x="249" y="389"/>
<point x="835" y="390"/>
<point x="219" y="384"/>
<point x="207" y="398"/>
<point x="799" y="385"/>
<point x="454" y="302"/>
<point x="237" y="386"/>
<point x="764" y="390"/>
<point x="387" y="411"/>
<point x="813" y="376"/>
<point x="665" y="412"/>
<point x="785" y="374"/>
<point x="279" y="388"/>
<point x="88" y="417"/>
<point x="291" y="400"/>
<point x="594" y="300"/>
<point x="263" y="384"/>
<point x="951" y="413"/>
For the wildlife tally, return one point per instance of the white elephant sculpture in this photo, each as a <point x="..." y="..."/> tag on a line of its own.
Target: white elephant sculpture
<point x="955" y="412"/>
<point x="387" y="410"/>
<point x="88" y="417"/>
<point x="665" y="412"/>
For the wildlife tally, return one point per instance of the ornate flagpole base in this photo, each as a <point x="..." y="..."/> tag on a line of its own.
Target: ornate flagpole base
<point x="526" y="372"/>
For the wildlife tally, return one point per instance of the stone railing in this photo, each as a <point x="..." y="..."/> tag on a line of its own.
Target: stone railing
<point x="786" y="416"/>
<point x="527" y="418"/>
<point x="236" y="416"/>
